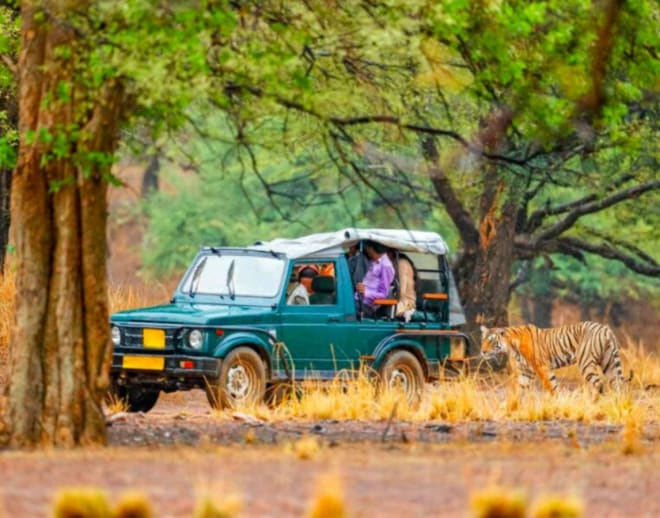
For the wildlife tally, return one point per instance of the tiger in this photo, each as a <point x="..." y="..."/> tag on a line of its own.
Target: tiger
<point x="539" y="351"/>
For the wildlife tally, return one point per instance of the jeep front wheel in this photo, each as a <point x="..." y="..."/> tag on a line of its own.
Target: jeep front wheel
<point x="242" y="380"/>
<point x="136" y="399"/>
<point x="401" y="372"/>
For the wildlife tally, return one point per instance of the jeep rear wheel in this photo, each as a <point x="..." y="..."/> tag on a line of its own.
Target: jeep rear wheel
<point x="402" y="372"/>
<point x="242" y="380"/>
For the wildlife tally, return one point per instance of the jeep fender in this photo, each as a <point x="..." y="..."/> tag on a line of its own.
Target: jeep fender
<point x="260" y="344"/>
<point x="390" y="343"/>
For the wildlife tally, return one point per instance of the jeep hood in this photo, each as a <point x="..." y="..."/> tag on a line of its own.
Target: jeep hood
<point x="189" y="314"/>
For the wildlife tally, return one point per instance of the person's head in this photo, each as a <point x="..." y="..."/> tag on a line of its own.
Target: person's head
<point x="373" y="249"/>
<point x="306" y="275"/>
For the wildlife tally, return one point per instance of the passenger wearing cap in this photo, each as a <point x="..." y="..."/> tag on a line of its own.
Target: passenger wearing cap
<point x="300" y="294"/>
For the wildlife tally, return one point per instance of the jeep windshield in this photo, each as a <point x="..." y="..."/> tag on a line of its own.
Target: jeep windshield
<point x="234" y="275"/>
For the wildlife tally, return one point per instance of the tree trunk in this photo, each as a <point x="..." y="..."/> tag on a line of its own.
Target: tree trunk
<point x="536" y="309"/>
<point x="537" y="297"/>
<point x="60" y="350"/>
<point x="486" y="272"/>
<point x="8" y="107"/>
<point x="150" y="180"/>
<point x="5" y="215"/>
<point x="484" y="269"/>
<point x="542" y="310"/>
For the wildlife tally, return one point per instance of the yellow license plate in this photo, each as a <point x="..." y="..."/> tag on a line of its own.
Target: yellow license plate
<point x="154" y="338"/>
<point x="152" y="363"/>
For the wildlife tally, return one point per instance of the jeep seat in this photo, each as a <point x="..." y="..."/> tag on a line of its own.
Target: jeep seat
<point x="430" y="300"/>
<point x="323" y="287"/>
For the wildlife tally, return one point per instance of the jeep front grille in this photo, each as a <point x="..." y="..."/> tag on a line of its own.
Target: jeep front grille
<point x="132" y="337"/>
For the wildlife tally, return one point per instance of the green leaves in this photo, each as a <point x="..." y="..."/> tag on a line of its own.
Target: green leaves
<point x="9" y="31"/>
<point x="8" y="147"/>
<point x="283" y="76"/>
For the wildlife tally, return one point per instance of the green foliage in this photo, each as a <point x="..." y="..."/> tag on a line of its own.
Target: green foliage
<point x="224" y="205"/>
<point x="291" y="71"/>
<point x="299" y="114"/>
<point x="9" y="31"/>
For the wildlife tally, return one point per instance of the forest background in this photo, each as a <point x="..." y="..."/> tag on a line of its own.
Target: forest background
<point x="523" y="132"/>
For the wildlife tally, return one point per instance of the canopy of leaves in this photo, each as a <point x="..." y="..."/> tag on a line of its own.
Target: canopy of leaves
<point x="333" y="99"/>
<point x="9" y="30"/>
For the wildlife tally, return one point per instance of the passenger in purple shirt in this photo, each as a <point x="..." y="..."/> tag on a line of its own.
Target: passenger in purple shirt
<point x="376" y="283"/>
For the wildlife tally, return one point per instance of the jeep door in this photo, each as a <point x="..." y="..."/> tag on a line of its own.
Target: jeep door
<point x="313" y="333"/>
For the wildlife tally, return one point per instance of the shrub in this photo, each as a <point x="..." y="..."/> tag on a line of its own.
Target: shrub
<point x="81" y="503"/>
<point x="558" y="506"/>
<point x="134" y="505"/>
<point x="329" y="499"/>
<point x="498" y="502"/>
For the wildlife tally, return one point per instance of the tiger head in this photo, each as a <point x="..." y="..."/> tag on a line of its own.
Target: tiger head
<point x="494" y="341"/>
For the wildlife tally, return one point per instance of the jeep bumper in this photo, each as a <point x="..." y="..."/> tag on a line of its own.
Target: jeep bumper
<point x="167" y="372"/>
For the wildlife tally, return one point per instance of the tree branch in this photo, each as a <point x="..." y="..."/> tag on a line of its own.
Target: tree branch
<point x="539" y="215"/>
<point x="360" y="174"/>
<point x="427" y="130"/>
<point x="457" y="212"/>
<point x="380" y="119"/>
<point x="619" y="243"/>
<point x="606" y="250"/>
<point x="10" y="64"/>
<point x="595" y="206"/>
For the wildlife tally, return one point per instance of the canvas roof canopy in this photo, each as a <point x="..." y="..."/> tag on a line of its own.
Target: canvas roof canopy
<point x="333" y="242"/>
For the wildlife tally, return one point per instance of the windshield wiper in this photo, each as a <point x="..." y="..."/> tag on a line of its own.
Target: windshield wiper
<point x="230" y="280"/>
<point x="195" y="277"/>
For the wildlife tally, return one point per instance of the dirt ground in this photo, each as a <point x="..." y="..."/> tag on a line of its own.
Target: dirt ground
<point x="180" y="449"/>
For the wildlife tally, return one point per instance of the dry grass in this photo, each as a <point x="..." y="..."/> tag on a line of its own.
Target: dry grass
<point x="134" y="505"/>
<point x="7" y="293"/>
<point x="472" y="397"/>
<point x="305" y="448"/>
<point x="82" y="503"/>
<point x="557" y="506"/>
<point x="328" y="501"/>
<point x="217" y="502"/>
<point x="498" y="502"/>
<point x="114" y="404"/>
<point x="123" y="297"/>
<point x="632" y="436"/>
<point x="91" y="502"/>
<point x="504" y="502"/>
<point x="475" y="397"/>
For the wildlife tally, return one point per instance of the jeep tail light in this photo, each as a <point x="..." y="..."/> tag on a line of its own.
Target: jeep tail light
<point x="219" y="332"/>
<point x="187" y="364"/>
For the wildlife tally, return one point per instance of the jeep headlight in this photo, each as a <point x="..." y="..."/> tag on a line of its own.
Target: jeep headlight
<point x="115" y="335"/>
<point x="195" y="339"/>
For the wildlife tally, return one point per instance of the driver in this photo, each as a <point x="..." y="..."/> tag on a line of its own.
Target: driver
<point x="300" y="294"/>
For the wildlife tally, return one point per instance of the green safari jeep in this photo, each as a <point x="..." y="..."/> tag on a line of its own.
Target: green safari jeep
<point x="230" y="330"/>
